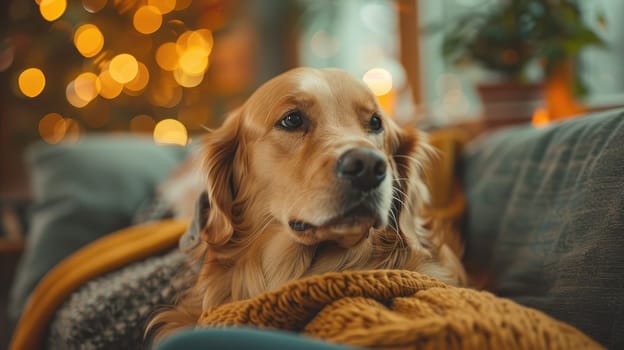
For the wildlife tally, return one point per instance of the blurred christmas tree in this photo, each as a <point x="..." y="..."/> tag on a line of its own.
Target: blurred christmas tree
<point x="163" y="67"/>
<point x="112" y="66"/>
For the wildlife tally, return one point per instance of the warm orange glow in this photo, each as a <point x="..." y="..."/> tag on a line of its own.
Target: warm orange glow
<point x="187" y="80"/>
<point x="163" y="6"/>
<point x="140" y="81"/>
<point x="123" y="68"/>
<point x="201" y="39"/>
<point x="378" y="80"/>
<point x="387" y="102"/>
<point x="167" y="56"/>
<point x="541" y="118"/>
<point x="93" y="6"/>
<point x="88" y="40"/>
<point x="52" y="10"/>
<point x="142" y="124"/>
<point x="170" y="131"/>
<point x="72" y="96"/>
<point x="47" y="128"/>
<point x="31" y="82"/>
<point x="147" y="19"/>
<point x="110" y="88"/>
<point x="183" y="4"/>
<point x="87" y="86"/>
<point x="560" y="100"/>
<point x="71" y="129"/>
<point x="181" y="42"/>
<point x="193" y="62"/>
<point x="53" y="128"/>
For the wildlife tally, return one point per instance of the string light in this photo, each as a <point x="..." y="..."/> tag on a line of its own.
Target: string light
<point x="109" y="87"/>
<point x="93" y="6"/>
<point x="72" y="96"/>
<point x="147" y="19"/>
<point x="87" y="86"/>
<point x="31" y="82"/>
<point x="52" y="10"/>
<point x="167" y="56"/>
<point x="53" y="128"/>
<point x="47" y="128"/>
<point x="163" y="6"/>
<point x="170" y="131"/>
<point x="378" y="80"/>
<point x="123" y="68"/>
<point x="140" y="81"/>
<point x="89" y="40"/>
<point x="187" y="80"/>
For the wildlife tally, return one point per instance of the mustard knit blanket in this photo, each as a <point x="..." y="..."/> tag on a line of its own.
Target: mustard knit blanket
<point x="393" y="309"/>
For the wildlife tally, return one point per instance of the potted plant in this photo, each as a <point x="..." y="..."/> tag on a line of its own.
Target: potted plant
<point x="515" y="35"/>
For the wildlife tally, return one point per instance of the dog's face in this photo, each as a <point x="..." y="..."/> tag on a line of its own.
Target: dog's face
<point x="308" y="176"/>
<point x="312" y="152"/>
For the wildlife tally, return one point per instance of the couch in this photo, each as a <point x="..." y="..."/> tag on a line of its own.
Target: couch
<point x="543" y="223"/>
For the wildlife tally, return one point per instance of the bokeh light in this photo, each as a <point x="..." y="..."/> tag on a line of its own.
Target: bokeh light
<point x="47" y="128"/>
<point x="72" y="96"/>
<point x="163" y="6"/>
<point x="140" y="81"/>
<point x="199" y="39"/>
<point x="182" y="4"/>
<point x="93" y="6"/>
<point x="31" y="82"/>
<point x="170" y="131"/>
<point x="193" y="61"/>
<point x="187" y="80"/>
<point x="89" y="40"/>
<point x="167" y="56"/>
<point x="87" y="86"/>
<point x="378" y="80"/>
<point x="52" y="10"/>
<point x="53" y="128"/>
<point x="541" y="118"/>
<point x="142" y="123"/>
<point x="123" y="68"/>
<point x="110" y="88"/>
<point x="147" y="19"/>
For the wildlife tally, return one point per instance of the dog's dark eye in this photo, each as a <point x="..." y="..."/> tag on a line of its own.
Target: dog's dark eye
<point x="375" y="123"/>
<point x="292" y="121"/>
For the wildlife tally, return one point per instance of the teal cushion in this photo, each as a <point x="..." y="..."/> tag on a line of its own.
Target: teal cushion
<point x="83" y="191"/>
<point x="546" y="219"/>
<point x="243" y="339"/>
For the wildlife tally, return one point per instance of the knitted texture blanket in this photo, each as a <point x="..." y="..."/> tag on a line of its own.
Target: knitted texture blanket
<point x="393" y="309"/>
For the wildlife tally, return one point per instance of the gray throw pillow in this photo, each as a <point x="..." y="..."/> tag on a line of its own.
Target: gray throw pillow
<point x="546" y="219"/>
<point x="81" y="192"/>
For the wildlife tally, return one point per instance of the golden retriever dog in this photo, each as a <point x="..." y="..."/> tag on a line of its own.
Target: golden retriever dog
<point x="308" y="176"/>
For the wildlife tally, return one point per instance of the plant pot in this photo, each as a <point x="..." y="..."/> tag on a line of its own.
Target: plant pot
<point x="510" y="101"/>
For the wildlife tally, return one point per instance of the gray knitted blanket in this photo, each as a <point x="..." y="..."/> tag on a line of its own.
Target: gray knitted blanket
<point x="111" y="312"/>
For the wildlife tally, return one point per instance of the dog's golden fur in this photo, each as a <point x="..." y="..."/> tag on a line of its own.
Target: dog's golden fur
<point x="261" y="177"/>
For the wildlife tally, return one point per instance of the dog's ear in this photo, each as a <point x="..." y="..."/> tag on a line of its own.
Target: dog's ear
<point x="411" y="154"/>
<point x="220" y="147"/>
<point x="192" y="236"/>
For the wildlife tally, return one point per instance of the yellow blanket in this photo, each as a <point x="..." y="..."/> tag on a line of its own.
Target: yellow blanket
<point x="392" y="309"/>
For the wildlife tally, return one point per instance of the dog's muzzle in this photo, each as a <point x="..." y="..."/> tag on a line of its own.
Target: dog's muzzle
<point x="364" y="168"/>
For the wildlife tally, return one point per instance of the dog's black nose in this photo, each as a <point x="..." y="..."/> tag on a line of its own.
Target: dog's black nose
<point x="364" y="167"/>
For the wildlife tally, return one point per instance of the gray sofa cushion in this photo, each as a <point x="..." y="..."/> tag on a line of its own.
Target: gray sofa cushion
<point x="546" y="219"/>
<point x="83" y="191"/>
